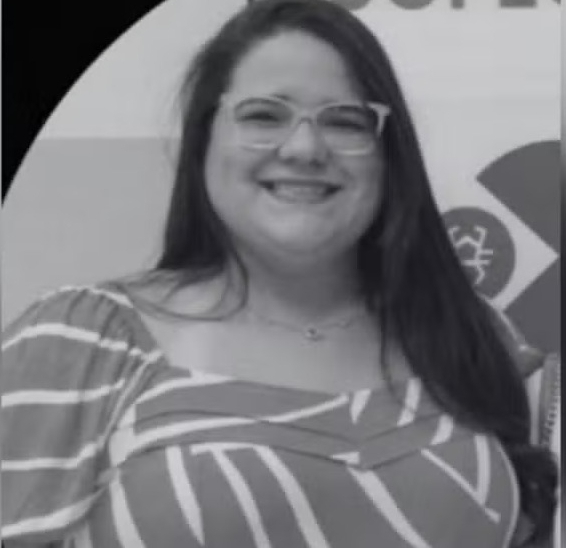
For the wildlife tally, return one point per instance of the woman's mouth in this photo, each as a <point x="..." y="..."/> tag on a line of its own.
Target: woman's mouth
<point x="300" y="191"/>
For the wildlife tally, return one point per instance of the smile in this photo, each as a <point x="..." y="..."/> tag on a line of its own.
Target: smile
<point x="300" y="191"/>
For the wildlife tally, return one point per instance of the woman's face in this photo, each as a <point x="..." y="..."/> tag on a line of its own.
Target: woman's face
<point x="299" y="202"/>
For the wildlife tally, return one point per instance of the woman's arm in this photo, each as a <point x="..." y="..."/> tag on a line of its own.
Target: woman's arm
<point x="68" y="364"/>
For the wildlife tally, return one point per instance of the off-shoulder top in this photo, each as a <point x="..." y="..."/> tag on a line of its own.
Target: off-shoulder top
<point x="106" y="444"/>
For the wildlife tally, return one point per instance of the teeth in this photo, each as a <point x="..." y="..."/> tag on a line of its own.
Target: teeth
<point x="300" y="192"/>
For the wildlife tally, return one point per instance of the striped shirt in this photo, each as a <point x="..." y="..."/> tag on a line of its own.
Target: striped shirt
<point x="106" y="444"/>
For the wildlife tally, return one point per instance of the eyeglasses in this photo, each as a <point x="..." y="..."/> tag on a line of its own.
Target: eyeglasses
<point x="350" y="128"/>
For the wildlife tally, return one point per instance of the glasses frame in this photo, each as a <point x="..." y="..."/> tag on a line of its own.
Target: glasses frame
<point x="309" y="114"/>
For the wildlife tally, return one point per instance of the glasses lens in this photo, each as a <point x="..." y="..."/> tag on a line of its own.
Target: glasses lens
<point x="348" y="128"/>
<point x="262" y="121"/>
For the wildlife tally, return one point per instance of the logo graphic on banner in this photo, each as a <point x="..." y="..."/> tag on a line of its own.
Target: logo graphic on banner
<point x="526" y="181"/>
<point x="484" y="246"/>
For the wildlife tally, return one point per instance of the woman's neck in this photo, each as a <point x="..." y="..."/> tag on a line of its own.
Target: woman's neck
<point x="310" y="293"/>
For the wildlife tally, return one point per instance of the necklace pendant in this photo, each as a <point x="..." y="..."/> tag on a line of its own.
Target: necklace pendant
<point x="313" y="334"/>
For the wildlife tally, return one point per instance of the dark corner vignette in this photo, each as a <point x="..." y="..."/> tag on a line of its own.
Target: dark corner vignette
<point x="46" y="46"/>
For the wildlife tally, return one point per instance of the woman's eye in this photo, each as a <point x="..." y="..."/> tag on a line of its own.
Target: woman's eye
<point x="347" y="124"/>
<point x="261" y="116"/>
<point x="349" y="120"/>
<point x="261" y="113"/>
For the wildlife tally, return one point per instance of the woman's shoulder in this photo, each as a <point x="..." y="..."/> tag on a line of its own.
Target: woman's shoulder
<point x="72" y="336"/>
<point x="113" y="312"/>
<point x="112" y="304"/>
<point x="93" y="307"/>
<point x="181" y="295"/>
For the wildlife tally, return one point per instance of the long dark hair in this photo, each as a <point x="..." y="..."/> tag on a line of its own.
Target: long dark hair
<point x="411" y="276"/>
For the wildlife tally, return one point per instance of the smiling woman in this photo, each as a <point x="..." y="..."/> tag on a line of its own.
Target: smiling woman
<point x="307" y="364"/>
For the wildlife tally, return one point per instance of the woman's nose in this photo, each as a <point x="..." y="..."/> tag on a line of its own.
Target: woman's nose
<point x="304" y="143"/>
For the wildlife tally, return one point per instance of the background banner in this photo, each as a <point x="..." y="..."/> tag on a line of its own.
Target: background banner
<point x="482" y="79"/>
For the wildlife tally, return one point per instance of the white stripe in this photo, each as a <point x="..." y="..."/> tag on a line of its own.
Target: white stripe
<point x="75" y="334"/>
<point x="463" y="483"/>
<point x="412" y="397"/>
<point x="82" y="538"/>
<point x="186" y="427"/>
<point x="122" y="441"/>
<point x="59" y="397"/>
<point x="359" y="402"/>
<point x="484" y="468"/>
<point x="184" y="492"/>
<point x="63" y="463"/>
<point x="127" y="393"/>
<point x="444" y="430"/>
<point x="178" y="384"/>
<point x="386" y="505"/>
<point x="126" y="529"/>
<point x="49" y="522"/>
<point x="119" y="298"/>
<point x="245" y="499"/>
<point x="58" y="329"/>
<point x="350" y="458"/>
<point x="308" y="411"/>
<point x="298" y="501"/>
<point x="199" y="448"/>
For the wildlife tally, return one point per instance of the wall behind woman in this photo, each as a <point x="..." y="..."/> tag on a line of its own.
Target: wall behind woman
<point x="482" y="79"/>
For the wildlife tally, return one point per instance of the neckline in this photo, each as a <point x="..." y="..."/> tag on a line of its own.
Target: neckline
<point x="313" y="331"/>
<point x="140" y="325"/>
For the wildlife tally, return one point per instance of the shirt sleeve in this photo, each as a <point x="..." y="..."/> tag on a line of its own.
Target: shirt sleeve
<point x="69" y="366"/>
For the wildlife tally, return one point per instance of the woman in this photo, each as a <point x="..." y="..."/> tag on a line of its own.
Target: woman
<point x="307" y="365"/>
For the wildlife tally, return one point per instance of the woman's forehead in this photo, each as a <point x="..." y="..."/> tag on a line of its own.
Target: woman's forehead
<point x="293" y="64"/>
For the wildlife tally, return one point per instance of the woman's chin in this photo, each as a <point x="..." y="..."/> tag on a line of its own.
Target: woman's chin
<point x="302" y="248"/>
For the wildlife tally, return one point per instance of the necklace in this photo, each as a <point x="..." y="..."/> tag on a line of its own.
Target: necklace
<point x="311" y="332"/>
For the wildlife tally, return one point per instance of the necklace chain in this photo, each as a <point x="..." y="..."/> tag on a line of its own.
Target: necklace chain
<point x="311" y="332"/>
